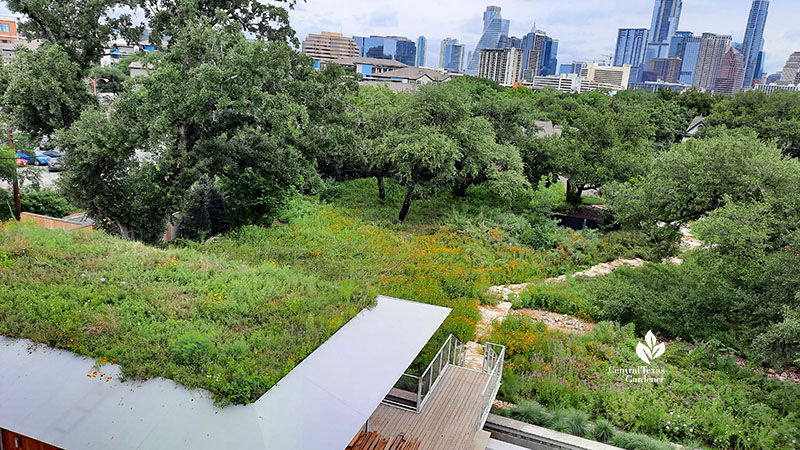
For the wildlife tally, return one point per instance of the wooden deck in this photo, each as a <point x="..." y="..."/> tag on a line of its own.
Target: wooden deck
<point x="449" y="419"/>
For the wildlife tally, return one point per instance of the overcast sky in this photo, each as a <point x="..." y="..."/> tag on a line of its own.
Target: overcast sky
<point x="586" y="29"/>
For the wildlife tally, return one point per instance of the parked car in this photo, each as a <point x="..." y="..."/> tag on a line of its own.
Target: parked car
<point x="55" y="165"/>
<point x="53" y="153"/>
<point x="28" y="159"/>
<point x="40" y="159"/>
<point x="22" y="162"/>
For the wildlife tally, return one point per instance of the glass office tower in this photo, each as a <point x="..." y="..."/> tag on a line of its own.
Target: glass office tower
<point x="754" y="41"/>
<point x="422" y="48"/>
<point x="398" y="48"/>
<point x="495" y="31"/>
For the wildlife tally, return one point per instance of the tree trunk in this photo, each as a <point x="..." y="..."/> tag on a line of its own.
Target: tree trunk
<point x="381" y="188"/>
<point x="406" y="204"/>
<point x="574" y="193"/>
<point x="460" y="189"/>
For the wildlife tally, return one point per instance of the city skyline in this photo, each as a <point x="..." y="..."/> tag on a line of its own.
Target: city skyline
<point x="587" y="31"/>
<point x="584" y="34"/>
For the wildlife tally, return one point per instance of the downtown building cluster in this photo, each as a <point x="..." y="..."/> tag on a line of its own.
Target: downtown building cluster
<point x="660" y="56"/>
<point x="663" y="56"/>
<point x="497" y="56"/>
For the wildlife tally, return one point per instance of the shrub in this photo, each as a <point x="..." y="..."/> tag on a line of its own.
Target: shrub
<point x="203" y="213"/>
<point x="603" y="430"/>
<point x="634" y="441"/>
<point x="46" y="202"/>
<point x="781" y="341"/>
<point x="532" y="412"/>
<point x="190" y="348"/>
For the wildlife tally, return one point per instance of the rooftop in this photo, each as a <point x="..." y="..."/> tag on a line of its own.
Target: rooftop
<point x="349" y="61"/>
<point x="70" y="402"/>
<point x="414" y="73"/>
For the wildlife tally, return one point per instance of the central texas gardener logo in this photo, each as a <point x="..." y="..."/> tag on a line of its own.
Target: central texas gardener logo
<point x="650" y="350"/>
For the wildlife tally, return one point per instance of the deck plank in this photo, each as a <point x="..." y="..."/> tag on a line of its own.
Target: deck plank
<point x="447" y="422"/>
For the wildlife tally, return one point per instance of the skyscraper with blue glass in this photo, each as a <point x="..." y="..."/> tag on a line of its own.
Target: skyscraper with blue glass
<point x="539" y="53"/>
<point x="754" y="41"/>
<point x="631" y="44"/>
<point x="666" y="16"/>
<point x="495" y="31"/>
<point x="686" y="47"/>
<point x="398" y="48"/>
<point x="452" y="56"/>
<point x="422" y="48"/>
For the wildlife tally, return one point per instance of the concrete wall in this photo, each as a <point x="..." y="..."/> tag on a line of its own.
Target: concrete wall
<point x="537" y="438"/>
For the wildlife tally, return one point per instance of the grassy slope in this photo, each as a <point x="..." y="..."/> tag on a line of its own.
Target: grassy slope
<point x="203" y="320"/>
<point x="235" y="315"/>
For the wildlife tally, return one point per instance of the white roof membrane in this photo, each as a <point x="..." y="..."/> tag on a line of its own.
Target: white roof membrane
<point x="321" y="404"/>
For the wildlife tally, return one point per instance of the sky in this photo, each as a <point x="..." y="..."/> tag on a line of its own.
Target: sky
<point x="586" y="29"/>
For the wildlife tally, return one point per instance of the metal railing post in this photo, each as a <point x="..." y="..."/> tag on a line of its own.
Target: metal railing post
<point x="419" y="394"/>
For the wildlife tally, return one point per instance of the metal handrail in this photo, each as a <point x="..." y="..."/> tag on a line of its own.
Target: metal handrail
<point x="493" y="365"/>
<point x="450" y="353"/>
<point x="455" y="355"/>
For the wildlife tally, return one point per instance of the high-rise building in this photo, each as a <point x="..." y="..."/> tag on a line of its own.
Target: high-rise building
<point x="422" y="48"/>
<point x="754" y="41"/>
<point x="760" y="74"/>
<point x="773" y="78"/>
<point x="666" y="69"/>
<point x="495" y="31"/>
<point x="666" y="16"/>
<point x="688" y="50"/>
<point x="712" y="48"/>
<point x="442" y="48"/>
<point x="731" y="73"/>
<point x="451" y="56"/>
<point x="791" y="70"/>
<point x="608" y="76"/>
<point x="631" y="45"/>
<point x="539" y="54"/>
<point x="329" y="46"/>
<point x="677" y="44"/>
<point x="502" y="65"/>
<point x="575" y="67"/>
<point x="398" y="48"/>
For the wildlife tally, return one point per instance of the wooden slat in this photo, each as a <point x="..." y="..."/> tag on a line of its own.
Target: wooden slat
<point x="446" y="422"/>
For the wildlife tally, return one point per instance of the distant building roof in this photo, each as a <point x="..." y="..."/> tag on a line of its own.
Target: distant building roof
<point x="353" y="60"/>
<point x="697" y="122"/>
<point x="319" y="405"/>
<point x="547" y="128"/>
<point x="391" y="85"/>
<point x="414" y="74"/>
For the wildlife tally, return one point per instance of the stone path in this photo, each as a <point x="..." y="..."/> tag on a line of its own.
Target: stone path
<point x="561" y="322"/>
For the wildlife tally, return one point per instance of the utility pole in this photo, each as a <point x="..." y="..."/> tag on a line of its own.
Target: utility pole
<point x="17" y="204"/>
<point x="94" y="83"/>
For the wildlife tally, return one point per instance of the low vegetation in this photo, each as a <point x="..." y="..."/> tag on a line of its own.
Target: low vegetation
<point x="204" y="320"/>
<point x="559" y="380"/>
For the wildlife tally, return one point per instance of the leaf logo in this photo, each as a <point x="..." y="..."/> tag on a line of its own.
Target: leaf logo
<point x="651" y="349"/>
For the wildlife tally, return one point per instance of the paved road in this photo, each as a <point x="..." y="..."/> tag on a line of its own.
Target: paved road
<point x="48" y="179"/>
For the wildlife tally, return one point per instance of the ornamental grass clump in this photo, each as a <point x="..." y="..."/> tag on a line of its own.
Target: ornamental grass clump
<point x="532" y="412"/>
<point x="603" y="430"/>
